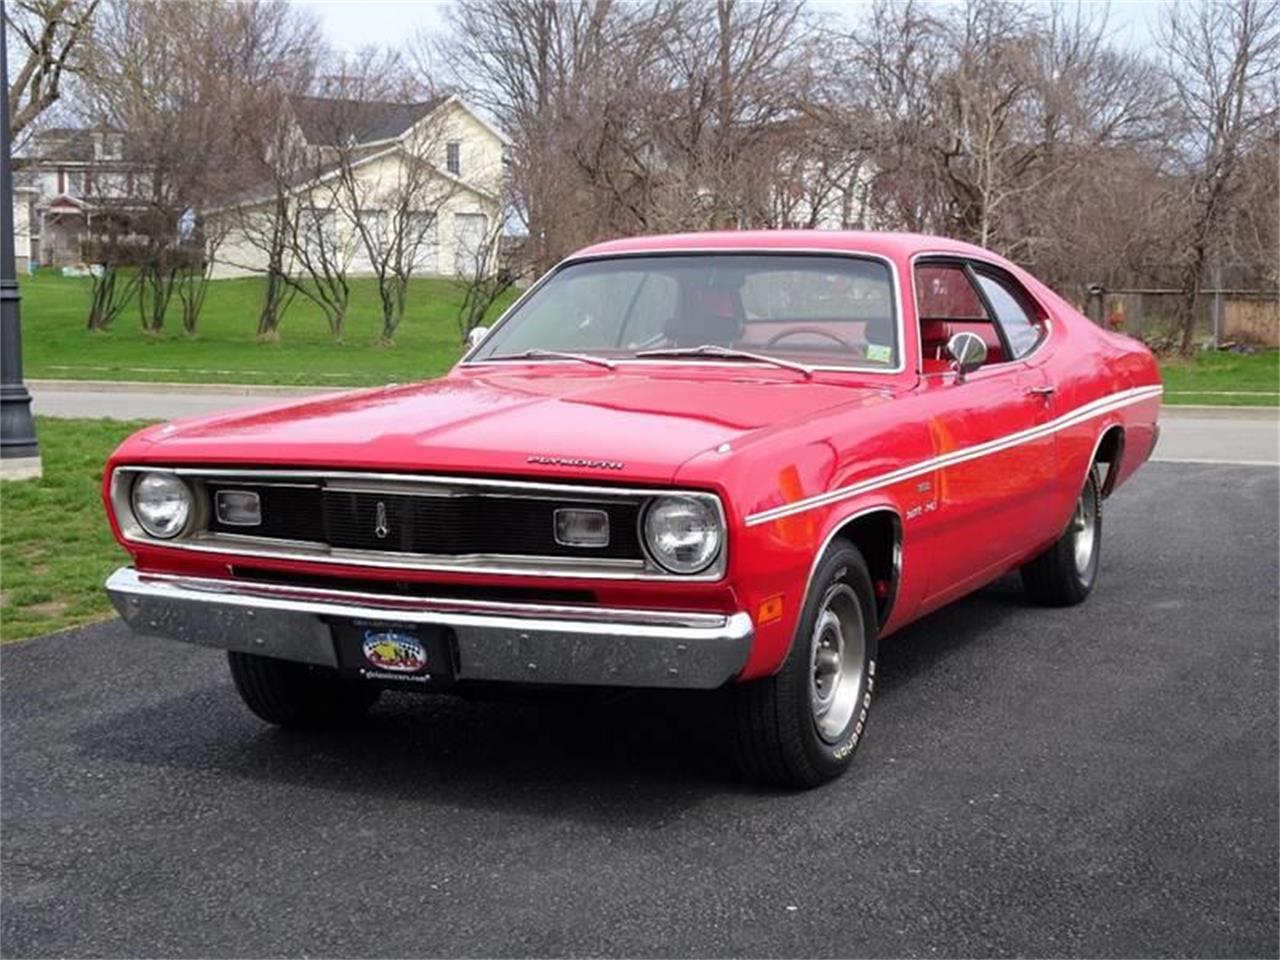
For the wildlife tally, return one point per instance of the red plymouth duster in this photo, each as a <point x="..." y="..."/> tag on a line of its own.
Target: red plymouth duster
<point x="712" y="460"/>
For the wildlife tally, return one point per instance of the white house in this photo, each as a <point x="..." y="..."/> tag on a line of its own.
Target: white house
<point x="65" y="179"/>
<point x="360" y="163"/>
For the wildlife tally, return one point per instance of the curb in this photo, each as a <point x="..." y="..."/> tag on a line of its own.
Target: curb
<point x="1191" y="411"/>
<point x="189" y="389"/>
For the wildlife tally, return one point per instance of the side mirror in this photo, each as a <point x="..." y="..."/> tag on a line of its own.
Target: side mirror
<point x="967" y="352"/>
<point x="475" y="335"/>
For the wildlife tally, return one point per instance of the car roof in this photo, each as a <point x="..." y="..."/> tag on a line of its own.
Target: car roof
<point x="897" y="246"/>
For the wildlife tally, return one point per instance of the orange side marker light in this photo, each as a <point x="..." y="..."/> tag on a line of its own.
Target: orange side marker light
<point x="769" y="610"/>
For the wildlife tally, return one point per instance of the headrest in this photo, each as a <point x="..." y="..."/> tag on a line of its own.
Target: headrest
<point x="709" y="315"/>
<point x="935" y="331"/>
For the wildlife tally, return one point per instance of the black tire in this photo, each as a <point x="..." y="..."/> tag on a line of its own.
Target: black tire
<point x="1055" y="578"/>
<point x="776" y="735"/>
<point x="298" y="694"/>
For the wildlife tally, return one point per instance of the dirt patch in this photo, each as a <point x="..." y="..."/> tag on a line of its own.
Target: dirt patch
<point x="50" y="608"/>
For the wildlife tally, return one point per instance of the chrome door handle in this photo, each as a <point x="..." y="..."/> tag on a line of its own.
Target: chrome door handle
<point x="1045" y="392"/>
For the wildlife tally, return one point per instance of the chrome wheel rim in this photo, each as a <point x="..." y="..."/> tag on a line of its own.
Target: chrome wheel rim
<point x="1084" y="523"/>
<point x="837" y="650"/>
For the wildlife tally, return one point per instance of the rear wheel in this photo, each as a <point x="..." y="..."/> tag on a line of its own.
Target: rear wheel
<point x="299" y="694"/>
<point x="800" y="727"/>
<point x="1064" y="574"/>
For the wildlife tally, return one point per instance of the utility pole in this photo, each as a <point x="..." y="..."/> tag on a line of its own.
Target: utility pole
<point x="19" y="451"/>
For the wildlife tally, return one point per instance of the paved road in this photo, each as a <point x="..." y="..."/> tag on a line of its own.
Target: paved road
<point x="60" y="398"/>
<point x="1218" y="439"/>
<point x="1095" y="781"/>
<point x="1244" y="436"/>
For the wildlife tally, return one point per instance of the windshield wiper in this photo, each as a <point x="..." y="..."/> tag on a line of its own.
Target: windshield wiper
<point x="728" y="353"/>
<point x="536" y="352"/>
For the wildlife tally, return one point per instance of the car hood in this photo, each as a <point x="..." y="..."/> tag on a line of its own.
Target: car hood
<point x="607" y="425"/>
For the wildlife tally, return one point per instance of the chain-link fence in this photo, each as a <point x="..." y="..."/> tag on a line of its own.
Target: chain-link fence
<point x="1246" y="317"/>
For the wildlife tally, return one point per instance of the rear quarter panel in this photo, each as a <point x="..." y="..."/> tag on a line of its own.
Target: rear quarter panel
<point x="1094" y="369"/>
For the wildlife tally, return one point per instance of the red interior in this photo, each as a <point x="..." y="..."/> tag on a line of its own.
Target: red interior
<point x="934" y="335"/>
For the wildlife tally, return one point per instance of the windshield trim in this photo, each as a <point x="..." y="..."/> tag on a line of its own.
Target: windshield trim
<point x="573" y="259"/>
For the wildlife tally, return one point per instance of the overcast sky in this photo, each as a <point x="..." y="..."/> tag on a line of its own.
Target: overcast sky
<point x="350" y="24"/>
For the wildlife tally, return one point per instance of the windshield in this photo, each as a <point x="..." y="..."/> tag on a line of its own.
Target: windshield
<point x="818" y="310"/>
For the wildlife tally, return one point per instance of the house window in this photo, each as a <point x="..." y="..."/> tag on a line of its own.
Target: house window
<point x="62" y="180"/>
<point x="453" y="158"/>
<point x="108" y="146"/>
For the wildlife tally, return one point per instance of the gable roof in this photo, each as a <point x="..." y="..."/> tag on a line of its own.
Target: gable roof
<point x="331" y="121"/>
<point x="60" y="143"/>
<point x="304" y="180"/>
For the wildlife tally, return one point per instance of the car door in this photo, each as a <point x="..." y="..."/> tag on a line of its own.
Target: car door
<point x="993" y="452"/>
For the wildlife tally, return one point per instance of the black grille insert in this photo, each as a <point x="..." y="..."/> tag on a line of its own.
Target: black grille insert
<point x="396" y="522"/>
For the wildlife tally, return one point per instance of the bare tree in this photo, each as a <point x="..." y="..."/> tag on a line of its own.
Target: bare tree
<point x="637" y="117"/>
<point x="176" y="81"/>
<point x="260" y="224"/>
<point x="1222" y="61"/>
<point x="489" y="275"/>
<point x="539" y="68"/>
<point x="1021" y="126"/>
<point x="388" y="191"/>
<point x="740" y="69"/>
<point x="884" y="97"/>
<point x="978" y="118"/>
<point x="196" y="271"/>
<point x="112" y="258"/>
<point x="52" y="33"/>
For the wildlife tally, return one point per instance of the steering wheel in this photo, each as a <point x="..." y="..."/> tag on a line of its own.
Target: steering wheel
<point x="813" y="331"/>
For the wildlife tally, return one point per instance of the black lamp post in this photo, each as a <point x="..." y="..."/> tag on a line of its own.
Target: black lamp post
<point x="19" y="451"/>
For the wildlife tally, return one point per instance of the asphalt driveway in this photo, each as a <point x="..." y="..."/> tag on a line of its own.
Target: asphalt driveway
<point x="1094" y="781"/>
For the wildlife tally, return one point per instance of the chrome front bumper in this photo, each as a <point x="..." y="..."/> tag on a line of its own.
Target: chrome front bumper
<point x="514" y="642"/>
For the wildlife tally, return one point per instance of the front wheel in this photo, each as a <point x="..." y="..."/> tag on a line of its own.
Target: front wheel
<point x="298" y="694"/>
<point x="800" y="727"/>
<point x="1064" y="574"/>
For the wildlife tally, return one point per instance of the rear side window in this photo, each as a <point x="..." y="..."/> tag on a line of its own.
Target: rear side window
<point x="945" y="293"/>
<point x="1013" y="312"/>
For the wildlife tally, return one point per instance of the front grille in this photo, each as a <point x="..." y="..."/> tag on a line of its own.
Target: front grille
<point x="435" y="525"/>
<point x="288" y="512"/>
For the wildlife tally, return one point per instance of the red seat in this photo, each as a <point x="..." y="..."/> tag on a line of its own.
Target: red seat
<point x="934" y="335"/>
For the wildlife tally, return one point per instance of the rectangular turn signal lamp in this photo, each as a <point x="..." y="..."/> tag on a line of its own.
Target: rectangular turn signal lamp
<point x="582" y="528"/>
<point x="238" y="508"/>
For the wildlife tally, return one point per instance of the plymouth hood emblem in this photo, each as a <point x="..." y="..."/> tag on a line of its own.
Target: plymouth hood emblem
<point x="587" y="462"/>
<point x="380" y="525"/>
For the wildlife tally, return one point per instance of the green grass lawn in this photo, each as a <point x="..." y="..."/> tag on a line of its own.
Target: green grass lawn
<point x="55" y="546"/>
<point x="1226" y="379"/>
<point x="56" y="344"/>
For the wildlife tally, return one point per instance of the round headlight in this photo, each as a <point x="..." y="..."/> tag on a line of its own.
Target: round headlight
<point x="161" y="504"/>
<point x="682" y="534"/>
